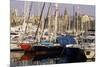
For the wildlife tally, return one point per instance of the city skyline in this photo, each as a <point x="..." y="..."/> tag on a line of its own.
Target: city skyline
<point x="37" y="6"/>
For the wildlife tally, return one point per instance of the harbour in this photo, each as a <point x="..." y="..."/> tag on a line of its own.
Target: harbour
<point x="51" y="36"/>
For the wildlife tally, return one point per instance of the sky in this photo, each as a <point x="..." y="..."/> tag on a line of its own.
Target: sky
<point x="37" y="6"/>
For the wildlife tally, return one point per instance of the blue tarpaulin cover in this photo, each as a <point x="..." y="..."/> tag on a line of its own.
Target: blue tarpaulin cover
<point x="66" y="40"/>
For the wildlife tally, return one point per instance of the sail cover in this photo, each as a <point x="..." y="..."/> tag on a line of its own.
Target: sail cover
<point x="65" y="40"/>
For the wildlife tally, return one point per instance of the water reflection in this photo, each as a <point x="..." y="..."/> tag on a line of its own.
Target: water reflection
<point x="21" y="58"/>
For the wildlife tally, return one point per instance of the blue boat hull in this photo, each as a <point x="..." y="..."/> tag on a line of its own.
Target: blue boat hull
<point x="70" y="54"/>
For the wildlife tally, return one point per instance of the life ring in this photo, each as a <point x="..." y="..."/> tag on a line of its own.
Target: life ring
<point x="90" y="53"/>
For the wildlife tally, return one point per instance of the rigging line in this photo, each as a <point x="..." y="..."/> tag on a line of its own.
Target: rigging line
<point x="62" y="51"/>
<point x="46" y="19"/>
<point x="39" y="20"/>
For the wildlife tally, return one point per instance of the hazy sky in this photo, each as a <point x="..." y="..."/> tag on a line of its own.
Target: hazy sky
<point x="37" y="6"/>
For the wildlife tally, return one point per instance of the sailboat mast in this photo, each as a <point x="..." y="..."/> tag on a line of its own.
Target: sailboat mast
<point x="39" y="20"/>
<point x="30" y="8"/>
<point x="74" y="19"/>
<point x="25" y="16"/>
<point x="69" y="23"/>
<point x="56" y="5"/>
<point x="77" y="20"/>
<point x="46" y="20"/>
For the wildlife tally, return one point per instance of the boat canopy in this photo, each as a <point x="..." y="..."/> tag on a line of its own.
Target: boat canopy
<point x="65" y="40"/>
